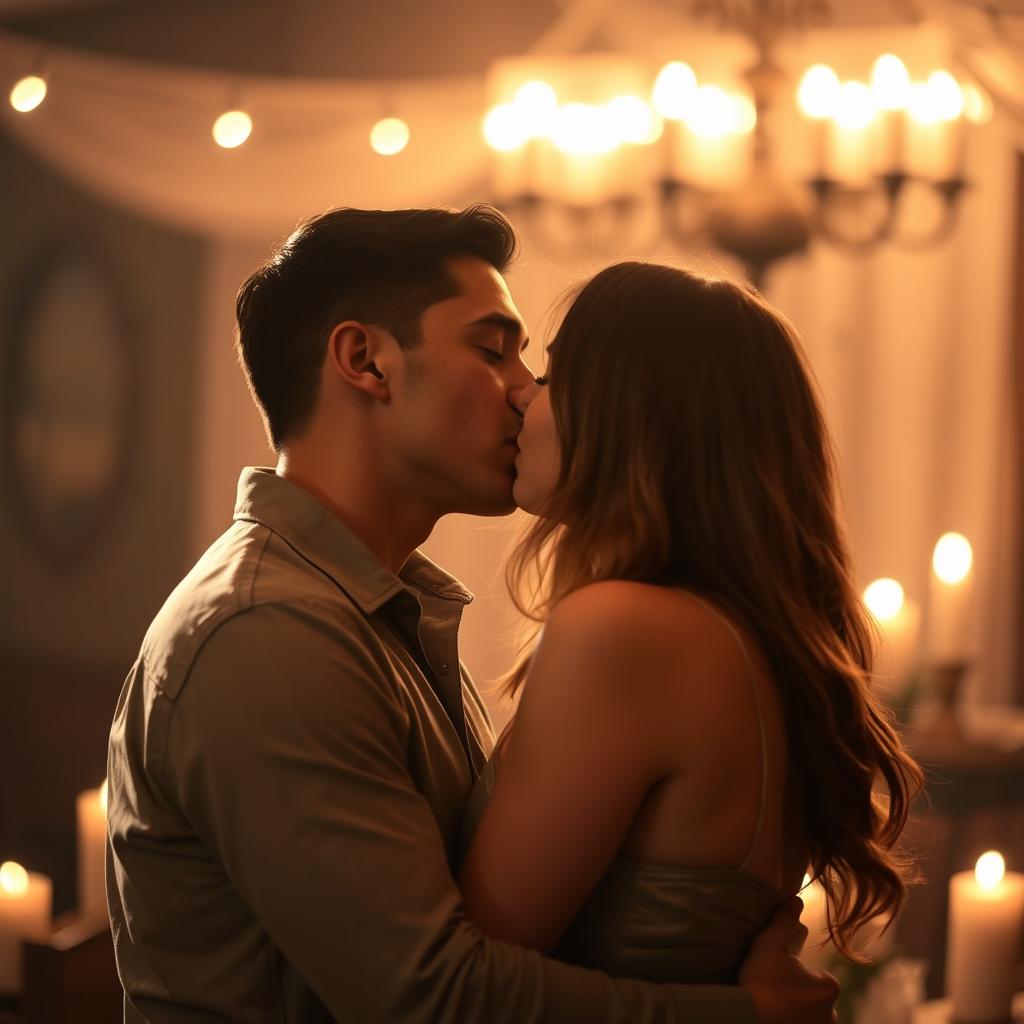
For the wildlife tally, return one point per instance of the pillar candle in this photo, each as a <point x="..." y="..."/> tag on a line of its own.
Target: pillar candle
<point x="818" y="947"/>
<point x="26" y="910"/>
<point x="949" y="601"/>
<point x="986" y="912"/>
<point x="91" y="807"/>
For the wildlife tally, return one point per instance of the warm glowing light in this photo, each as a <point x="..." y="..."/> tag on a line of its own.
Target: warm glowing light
<point x="713" y="114"/>
<point x="103" y="796"/>
<point x="977" y="105"/>
<point x="232" y="128"/>
<point x="818" y="94"/>
<point x="538" y="104"/>
<point x="989" y="870"/>
<point x="28" y="93"/>
<point x="674" y="90"/>
<point x="952" y="558"/>
<point x="390" y="135"/>
<point x="582" y="129"/>
<point x="890" y="83"/>
<point x="884" y="598"/>
<point x="806" y="882"/>
<point x="855" y="108"/>
<point x="949" y="99"/>
<point x="745" y="114"/>
<point x="506" y="127"/>
<point x="633" y="120"/>
<point x="13" y="878"/>
<point x="922" y="104"/>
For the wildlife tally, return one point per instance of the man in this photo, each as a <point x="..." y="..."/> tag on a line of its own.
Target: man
<point x="292" y="749"/>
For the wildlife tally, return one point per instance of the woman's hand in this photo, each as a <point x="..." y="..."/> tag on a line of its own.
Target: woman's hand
<point x="784" y="991"/>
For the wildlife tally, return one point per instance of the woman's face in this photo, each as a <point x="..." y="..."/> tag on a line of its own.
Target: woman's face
<point x="539" y="460"/>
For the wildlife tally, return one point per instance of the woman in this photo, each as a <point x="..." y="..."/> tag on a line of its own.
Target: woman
<point x="697" y="729"/>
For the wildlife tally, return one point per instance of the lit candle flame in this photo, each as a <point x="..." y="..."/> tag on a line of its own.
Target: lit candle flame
<point x="13" y="878"/>
<point x="952" y="558"/>
<point x="989" y="870"/>
<point x="103" y="795"/>
<point x="884" y="599"/>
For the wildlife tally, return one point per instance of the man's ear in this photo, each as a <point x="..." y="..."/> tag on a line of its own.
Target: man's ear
<point x="353" y="351"/>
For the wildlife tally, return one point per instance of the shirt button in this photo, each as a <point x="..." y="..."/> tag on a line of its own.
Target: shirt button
<point x="443" y="668"/>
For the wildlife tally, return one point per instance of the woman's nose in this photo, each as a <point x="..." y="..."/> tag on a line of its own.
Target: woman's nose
<point x="523" y="396"/>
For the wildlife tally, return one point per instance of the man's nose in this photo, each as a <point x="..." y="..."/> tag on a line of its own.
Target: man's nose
<point x="523" y="390"/>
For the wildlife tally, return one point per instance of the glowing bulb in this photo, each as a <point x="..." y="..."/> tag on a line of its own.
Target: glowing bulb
<point x="103" y="795"/>
<point x="506" y="127"/>
<point x="890" y="83"/>
<point x="884" y="598"/>
<point x="674" y="90"/>
<point x="952" y="558"/>
<point x="949" y="100"/>
<point x="922" y="105"/>
<point x="538" y="104"/>
<point x="582" y="129"/>
<point x="818" y="93"/>
<point x="713" y="114"/>
<point x="632" y="120"/>
<point x="989" y="870"/>
<point x="13" y="878"/>
<point x="745" y="114"/>
<point x="28" y="93"/>
<point x="232" y="128"/>
<point x="390" y="135"/>
<point x="854" y="106"/>
<point x="977" y="105"/>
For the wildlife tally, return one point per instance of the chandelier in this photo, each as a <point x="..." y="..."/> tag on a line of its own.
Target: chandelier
<point x="595" y="150"/>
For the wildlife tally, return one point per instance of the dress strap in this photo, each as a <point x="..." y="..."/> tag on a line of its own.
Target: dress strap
<point x="745" y="863"/>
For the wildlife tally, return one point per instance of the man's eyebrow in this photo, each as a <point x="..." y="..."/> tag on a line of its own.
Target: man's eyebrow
<point x="505" y="322"/>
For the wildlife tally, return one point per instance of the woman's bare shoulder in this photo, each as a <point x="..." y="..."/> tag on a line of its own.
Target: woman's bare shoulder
<point x="614" y="613"/>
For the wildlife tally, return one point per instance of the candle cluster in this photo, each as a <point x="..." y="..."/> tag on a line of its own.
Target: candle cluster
<point x="948" y="635"/>
<point x="26" y="898"/>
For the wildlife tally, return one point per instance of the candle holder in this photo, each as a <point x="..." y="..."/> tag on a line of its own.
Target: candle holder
<point x="947" y="683"/>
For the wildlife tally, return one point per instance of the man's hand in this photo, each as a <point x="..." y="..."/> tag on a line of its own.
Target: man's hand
<point x="784" y="991"/>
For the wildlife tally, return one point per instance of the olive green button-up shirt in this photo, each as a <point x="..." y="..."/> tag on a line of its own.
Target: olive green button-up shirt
<point x="288" y="765"/>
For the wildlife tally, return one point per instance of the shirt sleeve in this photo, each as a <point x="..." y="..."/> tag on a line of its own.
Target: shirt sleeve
<point x="287" y="753"/>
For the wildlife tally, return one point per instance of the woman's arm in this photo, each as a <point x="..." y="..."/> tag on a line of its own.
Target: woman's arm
<point x="587" y="744"/>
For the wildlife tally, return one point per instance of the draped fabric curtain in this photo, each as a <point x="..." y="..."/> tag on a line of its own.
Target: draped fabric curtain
<point x="913" y="349"/>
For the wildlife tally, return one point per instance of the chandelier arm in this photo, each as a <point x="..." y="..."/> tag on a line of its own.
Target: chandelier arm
<point x="890" y="187"/>
<point x="537" y="213"/>
<point x="676" y="198"/>
<point x="951" y="191"/>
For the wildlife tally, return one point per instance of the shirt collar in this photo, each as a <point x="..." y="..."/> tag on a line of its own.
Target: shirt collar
<point x="321" y="537"/>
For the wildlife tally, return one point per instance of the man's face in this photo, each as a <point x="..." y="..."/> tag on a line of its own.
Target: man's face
<point x="452" y="424"/>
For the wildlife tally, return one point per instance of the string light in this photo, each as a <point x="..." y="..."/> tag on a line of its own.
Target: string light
<point x="232" y="128"/>
<point x="28" y="93"/>
<point x="390" y="135"/>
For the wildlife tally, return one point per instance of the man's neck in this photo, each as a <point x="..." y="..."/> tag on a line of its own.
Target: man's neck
<point x="388" y="524"/>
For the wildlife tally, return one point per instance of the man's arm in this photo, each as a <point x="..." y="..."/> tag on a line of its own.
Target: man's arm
<point x="289" y="757"/>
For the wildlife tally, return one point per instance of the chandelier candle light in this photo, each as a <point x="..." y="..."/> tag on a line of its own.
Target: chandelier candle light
<point x="590" y="140"/>
<point x="986" y="912"/>
<point x="26" y="910"/>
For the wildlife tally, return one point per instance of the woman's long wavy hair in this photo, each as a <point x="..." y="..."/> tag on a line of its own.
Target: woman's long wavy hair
<point x="695" y="454"/>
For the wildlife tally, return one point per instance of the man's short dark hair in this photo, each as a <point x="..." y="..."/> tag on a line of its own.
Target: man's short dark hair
<point x="380" y="267"/>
